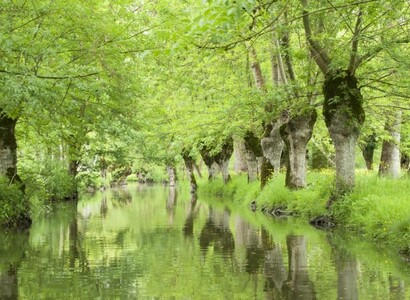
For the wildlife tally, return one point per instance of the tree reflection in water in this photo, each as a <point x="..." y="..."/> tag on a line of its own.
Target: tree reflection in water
<point x="171" y="204"/>
<point x="216" y="233"/>
<point x="12" y="248"/>
<point x="298" y="284"/>
<point x="188" y="228"/>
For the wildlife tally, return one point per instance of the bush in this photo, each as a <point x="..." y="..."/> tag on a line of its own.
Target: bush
<point x="13" y="204"/>
<point x="47" y="180"/>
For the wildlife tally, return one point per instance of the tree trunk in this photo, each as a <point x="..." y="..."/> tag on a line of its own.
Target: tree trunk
<point x="296" y="133"/>
<point x="252" y="166"/>
<point x="390" y="157"/>
<point x="209" y="161"/>
<point x="266" y="171"/>
<point x="222" y="159"/>
<point x="172" y="175"/>
<point x="189" y="165"/>
<point x="254" y="151"/>
<point x="240" y="164"/>
<point x="73" y="165"/>
<point x="368" y="150"/>
<point x="344" y="116"/>
<point x="8" y="148"/>
<point x="272" y="147"/>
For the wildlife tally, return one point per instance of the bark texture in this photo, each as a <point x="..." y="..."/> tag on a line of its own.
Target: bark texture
<point x="272" y="147"/>
<point x="222" y="159"/>
<point x="344" y="115"/>
<point x="240" y="165"/>
<point x="296" y="133"/>
<point x="253" y="152"/>
<point x="8" y="148"/>
<point x="219" y="161"/>
<point x="390" y="156"/>
<point x="368" y="147"/>
<point x="172" y="175"/>
<point x="189" y="165"/>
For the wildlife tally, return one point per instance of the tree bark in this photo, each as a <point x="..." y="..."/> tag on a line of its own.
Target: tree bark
<point x="296" y="133"/>
<point x="222" y="159"/>
<point x="172" y="175"/>
<point x="368" y="150"/>
<point x="272" y="146"/>
<point x="189" y="165"/>
<point x="209" y="160"/>
<point x="254" y="151"/>
<point x="344" y="116"/>
<point x="390" y="156"/>
<point x="240" y="164"/>
<point x="8" y="148"/>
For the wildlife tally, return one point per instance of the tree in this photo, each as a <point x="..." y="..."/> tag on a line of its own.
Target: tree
<point x="343" y="99"/>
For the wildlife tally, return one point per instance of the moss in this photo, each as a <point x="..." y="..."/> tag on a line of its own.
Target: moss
<point x="342" y="93"/>
<point x="253" y="143"/>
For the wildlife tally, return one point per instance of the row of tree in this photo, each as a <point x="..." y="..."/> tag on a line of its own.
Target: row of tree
<point x="95" y="88"/>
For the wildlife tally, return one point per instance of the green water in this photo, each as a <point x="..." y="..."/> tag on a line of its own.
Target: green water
<point x="151" y="243"/>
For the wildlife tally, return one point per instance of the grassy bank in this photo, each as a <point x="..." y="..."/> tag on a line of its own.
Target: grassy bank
<point x="378" y="209"/>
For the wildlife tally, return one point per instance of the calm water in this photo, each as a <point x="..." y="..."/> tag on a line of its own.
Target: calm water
<point x="150" y="243"/>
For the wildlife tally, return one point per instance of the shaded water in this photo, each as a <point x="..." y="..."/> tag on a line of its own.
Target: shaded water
<point x="150" y="243"/>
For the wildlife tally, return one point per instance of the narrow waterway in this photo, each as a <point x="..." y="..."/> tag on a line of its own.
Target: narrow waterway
<point x="149" y="242"/>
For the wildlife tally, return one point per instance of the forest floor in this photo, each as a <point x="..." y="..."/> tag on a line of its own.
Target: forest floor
<point x="378" y="210"/>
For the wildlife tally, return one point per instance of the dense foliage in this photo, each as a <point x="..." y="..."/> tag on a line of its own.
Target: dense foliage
<point x="95" y="91"/>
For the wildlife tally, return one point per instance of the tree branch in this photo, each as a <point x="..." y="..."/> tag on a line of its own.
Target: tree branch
<point x="355" y="44"/>
<point x="369" y="55"/>
<point x="49" y="77"/>
<point x="318" y="53"/>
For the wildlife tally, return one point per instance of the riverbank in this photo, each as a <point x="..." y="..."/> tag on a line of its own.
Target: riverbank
<point x="378" y="210"/>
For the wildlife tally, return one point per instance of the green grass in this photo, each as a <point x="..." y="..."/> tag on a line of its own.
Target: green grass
<point x="378" y="209"/>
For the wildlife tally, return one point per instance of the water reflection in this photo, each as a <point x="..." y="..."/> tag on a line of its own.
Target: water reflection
<point x="298" y="284"/>
<point x="12" y="247"/>
<point x="104" y="206"/>
<point x="188" y="228"/>
<point x="122" y="196"/>
<point x="171" y="204"/>
<point x="396" y="288"/>
<point x="347" y="268"/>
<point x="217" y="233"/>
<point x="149" y="244"/>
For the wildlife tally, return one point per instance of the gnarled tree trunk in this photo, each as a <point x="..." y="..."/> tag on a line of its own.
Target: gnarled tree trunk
<point x="8" y="163"/>
<point x="253" y="152"/>
<point x="8" y="148"/>
<point x="209" y="161"/>
<point x="296" y="133"/>
<point x="344" y="116"/>
<point x="189" y="165"/>
<point x="222" y="159"/>
<point x="240" y="164"/>
<point x="272" y="147"/>
<point x="390" y="157"/>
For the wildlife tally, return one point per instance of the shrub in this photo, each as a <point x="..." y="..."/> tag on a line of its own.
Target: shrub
<point x="13" y="204"/>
